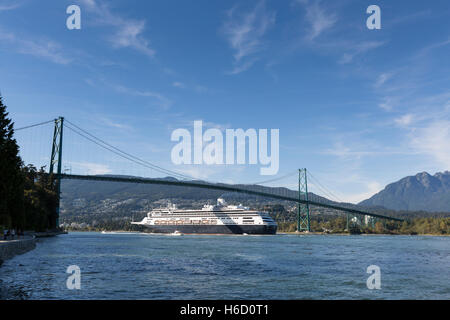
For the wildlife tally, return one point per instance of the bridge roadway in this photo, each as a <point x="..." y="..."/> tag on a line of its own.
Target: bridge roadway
<point x="222" y="187"/>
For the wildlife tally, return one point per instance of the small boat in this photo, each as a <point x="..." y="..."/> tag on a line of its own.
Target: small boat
<point x="176" y="233"/>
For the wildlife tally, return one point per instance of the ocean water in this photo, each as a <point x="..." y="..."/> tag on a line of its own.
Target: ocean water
<point x="144" y="266"/>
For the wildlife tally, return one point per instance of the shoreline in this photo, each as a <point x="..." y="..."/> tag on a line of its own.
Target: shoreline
<point x="11" y="248"/>
<point x="364" y="234"/>
<point x="279" y="233"/>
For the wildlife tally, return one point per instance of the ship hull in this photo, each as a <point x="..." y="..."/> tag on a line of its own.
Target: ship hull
<point x="213" y="229"/>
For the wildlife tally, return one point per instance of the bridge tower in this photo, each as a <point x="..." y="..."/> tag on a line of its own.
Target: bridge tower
<point x="303" y="221"/>
<point x="56" y="158"/>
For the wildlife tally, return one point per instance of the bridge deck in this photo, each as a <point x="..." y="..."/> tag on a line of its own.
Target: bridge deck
<point x="223" y="187"/>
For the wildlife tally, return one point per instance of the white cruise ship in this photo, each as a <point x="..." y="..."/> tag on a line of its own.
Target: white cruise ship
<point x="211" y="219"/>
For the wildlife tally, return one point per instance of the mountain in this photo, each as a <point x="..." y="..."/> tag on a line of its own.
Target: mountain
<point x="422" y="192"/>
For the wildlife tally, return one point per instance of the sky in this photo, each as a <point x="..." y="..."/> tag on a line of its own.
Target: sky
<point x="358" y="108"/>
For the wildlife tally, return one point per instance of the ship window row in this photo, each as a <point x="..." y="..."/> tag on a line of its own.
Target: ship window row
<point x="202" y="215"/>
<point x="209" y="212"/>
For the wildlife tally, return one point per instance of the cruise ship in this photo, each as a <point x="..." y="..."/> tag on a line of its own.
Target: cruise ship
<point x="211" y="219"/>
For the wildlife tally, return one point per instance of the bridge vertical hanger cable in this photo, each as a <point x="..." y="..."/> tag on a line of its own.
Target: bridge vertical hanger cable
<point x="325" y="190"/>
<point x="124" y="154"/>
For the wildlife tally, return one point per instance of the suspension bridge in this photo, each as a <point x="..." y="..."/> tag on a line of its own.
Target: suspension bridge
<point x="304" y="199"/>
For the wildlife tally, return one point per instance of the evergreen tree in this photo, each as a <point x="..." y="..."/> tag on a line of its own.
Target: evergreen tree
<point x="11" y="178"/>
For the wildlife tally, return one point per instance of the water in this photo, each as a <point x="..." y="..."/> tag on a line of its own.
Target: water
<point x="141" y="266"/>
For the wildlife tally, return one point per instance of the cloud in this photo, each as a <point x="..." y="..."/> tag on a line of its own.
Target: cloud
<point x="433" y="140"/>
<point x="245" y="32"/>
<point x="162" y="101"/>
<point x="128" y="35"/>
<point x="197" y="88"/>
<point x="426" y="125"/>
<point x="358" y="49"/>
<point x="410" y="18"/>
<point x="200" y="89"/>
<point x="321" y="21"/>
<point x="241" y="67"/>
<point x="116" y="125"/>
<point x="318" y="18"/>
<point x="9" y="6"/>
<point x="128" y="32"/>
<point x="388" y="103"/>
<point x="426" y="50"/>
<point x="346" y="153"/>
<point x="382" y="78"/>
<point x="371" y="187"/>
<point x="43" y="48"/>
<point x="177" y="84"/>
<point x="404" y="120"/>
<point x="90" y="168"/>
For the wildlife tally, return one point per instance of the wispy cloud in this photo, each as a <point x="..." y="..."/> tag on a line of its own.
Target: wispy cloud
<point x="426" y="126"/>
<point x="409" y="18"/>
<point x="44" y="48"/>
<point x="371" y="188"/>
<point x="319" y="19"/>
<point x="404" y="120"/>
<point x="197" y="88"/>
<point x="161" y="100"/>
<point x="358" y="49"/>
<point x="388" y="103"/>
<point x="383" y="78"/>
<point x="114" y="124"/>
<point x="324" y="34"/>
<point x="427" y="49"/>
<point x="433" y="140"/>
<point x="245" y="32"/>
<point x="9" y="5"/>
<point x="356" y="152"/>
<point x="128" y="32"/>
<point x="178" y="84"/>
<point x="89" y="168"/>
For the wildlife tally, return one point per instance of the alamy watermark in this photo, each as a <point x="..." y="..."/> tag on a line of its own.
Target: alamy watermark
<point x="74" y="280"/>
<point x="74" y="20"/>
<point x="374" y="280"/>
<point x="374" y="20"/>
<point x="208" y="147"/>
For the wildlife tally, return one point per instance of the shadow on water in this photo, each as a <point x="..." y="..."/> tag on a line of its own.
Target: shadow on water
<point x="8" y="292"/>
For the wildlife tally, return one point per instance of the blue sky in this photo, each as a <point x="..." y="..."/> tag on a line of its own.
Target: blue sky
<point x="359" y="108"/>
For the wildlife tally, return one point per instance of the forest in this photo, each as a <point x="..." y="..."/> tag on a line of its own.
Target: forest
<point x="28" y="199"/>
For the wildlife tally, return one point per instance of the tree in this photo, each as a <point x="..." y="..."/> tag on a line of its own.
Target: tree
<point x="11" y="179"/>
<point x="379" y="228"/>
<point x="41" y="199"/>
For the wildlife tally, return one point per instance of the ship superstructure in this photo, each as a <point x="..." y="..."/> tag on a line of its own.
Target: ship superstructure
<point x="211" y="219"/>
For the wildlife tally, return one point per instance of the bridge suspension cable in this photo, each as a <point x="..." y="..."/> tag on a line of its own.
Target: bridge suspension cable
<point x="287" y="175"/>
<point x="34" y="125"/>
<point x="324" y="189"/>
<point x="85" y="134"/>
